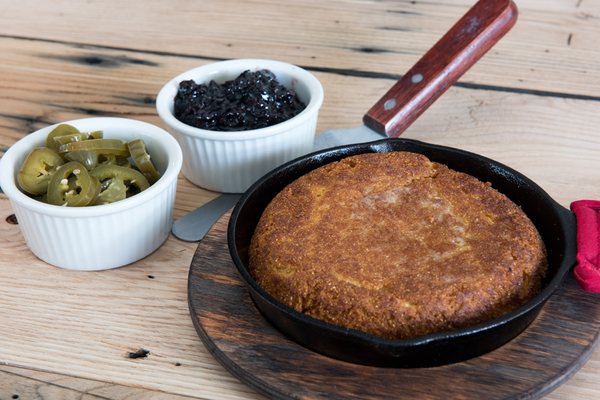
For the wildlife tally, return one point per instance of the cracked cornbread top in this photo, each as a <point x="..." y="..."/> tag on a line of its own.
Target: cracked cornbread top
<point x="397" y="246"/>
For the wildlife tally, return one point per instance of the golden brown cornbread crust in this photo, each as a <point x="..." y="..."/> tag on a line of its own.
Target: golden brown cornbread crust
<point x="395" y="245"/>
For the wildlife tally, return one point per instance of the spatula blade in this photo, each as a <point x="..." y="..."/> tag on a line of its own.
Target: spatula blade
<point x="194" y="226"/>
<point x="340" y="137"/>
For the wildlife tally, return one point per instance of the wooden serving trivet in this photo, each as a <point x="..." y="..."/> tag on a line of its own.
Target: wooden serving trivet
<point x="551" y="349"/>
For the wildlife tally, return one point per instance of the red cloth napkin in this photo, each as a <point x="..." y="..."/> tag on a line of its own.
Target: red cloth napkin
<point x="587" y="271"/>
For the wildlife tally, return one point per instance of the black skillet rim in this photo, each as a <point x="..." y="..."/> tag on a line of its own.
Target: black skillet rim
<point x="386" y="145"/>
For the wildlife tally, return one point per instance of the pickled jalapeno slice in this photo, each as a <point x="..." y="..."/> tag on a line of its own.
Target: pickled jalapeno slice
<point x="73" y="137"/>
<point x="72" y="185"/>
<point x="114" y="160"/>
<point x="89" y="151"/>
<point x="88" y="158"/>
<point x="100" y="146"/>
<point x="35" y="173"/>
<point x="141" y="158"/>
<point x="60" y="130"/>
<point x="96" y="134"/>
<point x="118" y="183"/>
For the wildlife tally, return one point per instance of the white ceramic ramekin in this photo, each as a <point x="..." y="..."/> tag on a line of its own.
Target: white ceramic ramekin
<point x="231" y="161"/>
<point x="105" y="236"/>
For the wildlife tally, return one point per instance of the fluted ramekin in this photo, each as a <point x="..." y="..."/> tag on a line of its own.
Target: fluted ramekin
<point x="104" y="236"/>
<point x="231" y="161"/>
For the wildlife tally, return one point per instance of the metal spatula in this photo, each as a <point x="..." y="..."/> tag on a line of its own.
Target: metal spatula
<point x="465" y="43"/>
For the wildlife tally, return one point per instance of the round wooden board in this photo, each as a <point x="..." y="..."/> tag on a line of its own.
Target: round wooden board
<point x="551" y="349"/>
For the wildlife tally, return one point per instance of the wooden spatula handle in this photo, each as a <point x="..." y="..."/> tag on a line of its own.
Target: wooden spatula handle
<point x="467" y="41"/>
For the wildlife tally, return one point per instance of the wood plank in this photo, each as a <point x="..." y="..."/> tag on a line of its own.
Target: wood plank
<point x="553" y="40"/>
<point x="26" y="384"/>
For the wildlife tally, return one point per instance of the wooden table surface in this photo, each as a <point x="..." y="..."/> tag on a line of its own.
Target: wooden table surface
<point x="533" y="102"/>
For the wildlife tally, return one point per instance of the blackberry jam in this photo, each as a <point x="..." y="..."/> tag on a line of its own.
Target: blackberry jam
<point x="252" y="100"/>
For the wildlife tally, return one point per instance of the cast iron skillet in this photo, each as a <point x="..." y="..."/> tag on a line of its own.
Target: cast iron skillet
<point x="482" y="26"/>
<point x="555" y="224"/>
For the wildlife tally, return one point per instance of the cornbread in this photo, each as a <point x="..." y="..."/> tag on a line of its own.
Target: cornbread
<point x="397" y="246"/>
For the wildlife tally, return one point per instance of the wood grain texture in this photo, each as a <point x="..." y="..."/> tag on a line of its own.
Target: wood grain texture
<point x="533" y="102"/>
<point x="26" y="384"/>
<point x="337" y="34"/>
<point x="89" y="325"/>
<point x="550" y="350"/>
